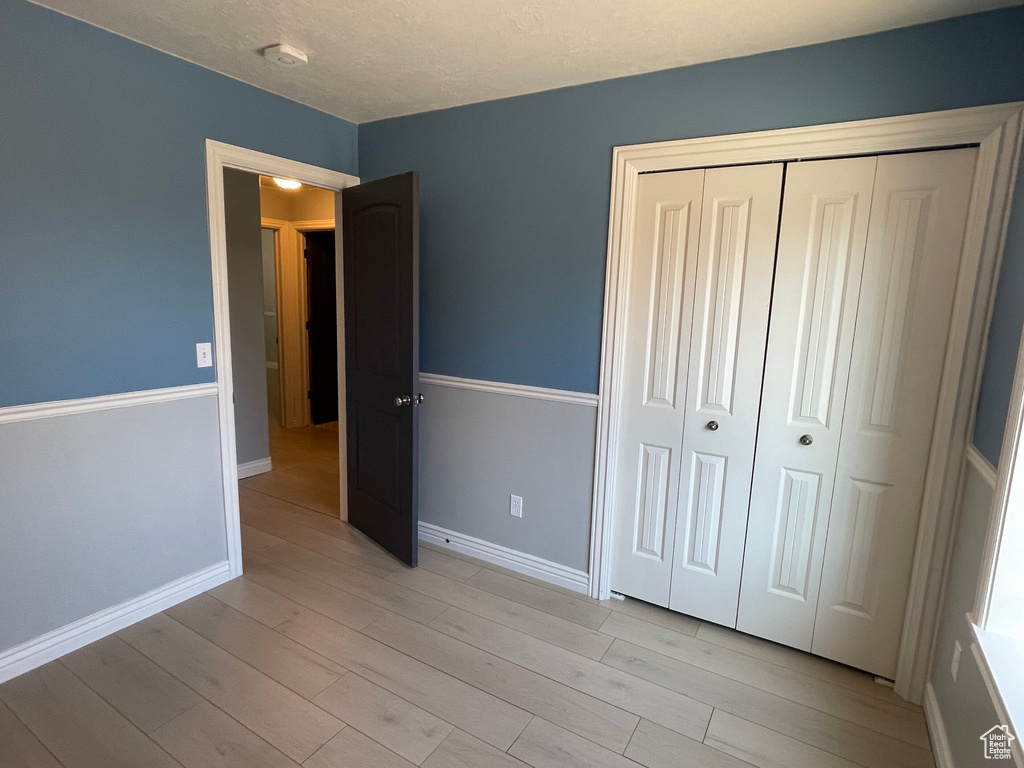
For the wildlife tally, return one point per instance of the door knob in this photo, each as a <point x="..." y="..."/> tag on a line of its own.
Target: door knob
<point x="403" y="400"/>
<point x="417" y="400"/>
<point x="806" y="440"/>
<point x="712" y="425"/>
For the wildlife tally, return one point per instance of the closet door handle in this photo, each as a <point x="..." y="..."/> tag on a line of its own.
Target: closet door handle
<point x="806" y="440"/>
<point x="712" y="425"/>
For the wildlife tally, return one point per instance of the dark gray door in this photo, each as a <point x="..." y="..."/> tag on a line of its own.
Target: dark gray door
<point x="380" y="223"/>
<point x="322" y="326"/>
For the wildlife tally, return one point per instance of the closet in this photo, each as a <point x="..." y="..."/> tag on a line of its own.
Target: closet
<point x="784" y="337"/>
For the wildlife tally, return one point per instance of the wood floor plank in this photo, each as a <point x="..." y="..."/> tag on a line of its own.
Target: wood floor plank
<point x="291" y="664"/>
<point x="483" y="715"/>
<point x="658" y="747"/>
<point x="390" y="720"/>
<point x="640" y="697"/>
<point x="544" y="626"/>
<point x="141" y="691"/>
<point x="654" y="614"/>
<point x="19" y="747"/>
<point x="455" y="554"/>
<point x="386" y="594"/>
<point x="589" y="717"/>
<point x="764" y="747"/>
<point x="255" y="540"/>
<point x="832" y="734"/>
<point x="205" y="737"/>
<point x="256" y="601"/>
<point x="318" y="521"/>
<point x="545" y="745"/>
<point x="291" y="486"/>
<point x="460" y="750"/>
<point x="351" y="749"/>
<point x="808" y="664"/>
<point x="374" y="561"/>
<point x="321" y="597"/>
<point x="282" y="717"/>
<point x="446" y="565"/>
<point x="873" y="713"/>
<point x="585" y="612"/>
<point x="77" y="726"/>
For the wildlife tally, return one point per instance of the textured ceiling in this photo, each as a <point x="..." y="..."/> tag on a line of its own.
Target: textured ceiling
<point x="371" y="59"/>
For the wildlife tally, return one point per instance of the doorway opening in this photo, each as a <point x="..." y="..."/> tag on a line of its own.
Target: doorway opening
<point x="297" y="457"/>
<point x="375" y="301"/>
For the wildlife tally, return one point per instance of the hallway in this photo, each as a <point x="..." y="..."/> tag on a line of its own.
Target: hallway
<point x="305" y="468"/>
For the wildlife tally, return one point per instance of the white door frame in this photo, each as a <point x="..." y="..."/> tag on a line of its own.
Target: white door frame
<point x="997" y="129"/>
<point x="218" y="157"/>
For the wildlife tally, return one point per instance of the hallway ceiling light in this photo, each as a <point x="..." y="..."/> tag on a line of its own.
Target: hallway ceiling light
<point x="287" y="183"/>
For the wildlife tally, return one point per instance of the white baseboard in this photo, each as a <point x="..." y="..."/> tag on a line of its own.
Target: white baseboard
<point x="27" y="656"/>
<point x="520" y="562"/>
<point x="250" y="468"/>
<point x="937" y="730"/>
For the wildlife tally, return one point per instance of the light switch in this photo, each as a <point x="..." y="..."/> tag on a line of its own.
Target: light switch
<point x="204" y="355"/>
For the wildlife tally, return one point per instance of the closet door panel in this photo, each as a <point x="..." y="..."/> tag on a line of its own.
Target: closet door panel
<point x="732" y="295"/>
<point x="918" y="217"/>
<point x="821" y="248"/>
<point x="656" y="351"/>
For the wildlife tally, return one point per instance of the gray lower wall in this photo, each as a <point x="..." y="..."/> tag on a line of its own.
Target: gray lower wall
<point x="966" y="708"/>
<point x="245" y="299"/>
<point x="99" y="508"/>
<point x="478" y="448"/>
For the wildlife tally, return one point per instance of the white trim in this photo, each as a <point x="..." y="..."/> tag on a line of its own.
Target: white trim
<point x="982" y="466"/>
<point x="520" y="562"/>
<point x="257" y="467"/>
<point x="218" y="157"/>
<point x="312" y="225"/>
<point x="937" y="730"/>
<point x="997" y="129"/>
<point x="22" y="658"/>
<point x="516" y="390"/>
<point x="15" y="413"/>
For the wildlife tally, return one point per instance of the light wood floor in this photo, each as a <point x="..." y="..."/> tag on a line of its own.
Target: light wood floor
<point x="330" y="654"/>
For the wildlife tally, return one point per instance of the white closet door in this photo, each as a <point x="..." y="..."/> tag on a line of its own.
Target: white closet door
<point x="735" y="261"/>
<point x="915" y="237"/>
<point x="659" y="287"/>
<point x="821" y="251"/>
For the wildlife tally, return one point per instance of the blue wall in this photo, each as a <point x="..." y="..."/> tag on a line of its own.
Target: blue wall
<point x="515" y="192"/>
<point x="104" y="253"/>
<point x="1005" y="331"/>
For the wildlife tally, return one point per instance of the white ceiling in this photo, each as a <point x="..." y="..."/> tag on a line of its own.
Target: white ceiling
<point x="371" y="59"/>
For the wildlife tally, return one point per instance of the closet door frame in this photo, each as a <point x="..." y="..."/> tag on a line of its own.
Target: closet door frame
<point x="997" y="129"/>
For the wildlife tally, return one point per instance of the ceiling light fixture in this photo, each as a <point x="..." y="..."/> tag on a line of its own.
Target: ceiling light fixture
<point x="287" y="183"/>
<point x="285" y="55"/>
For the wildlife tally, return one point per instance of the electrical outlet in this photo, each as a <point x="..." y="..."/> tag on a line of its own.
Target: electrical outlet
<point x="954" y="668"/>
<point x="204" y="355"/>
<point x="515" y="507"/>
